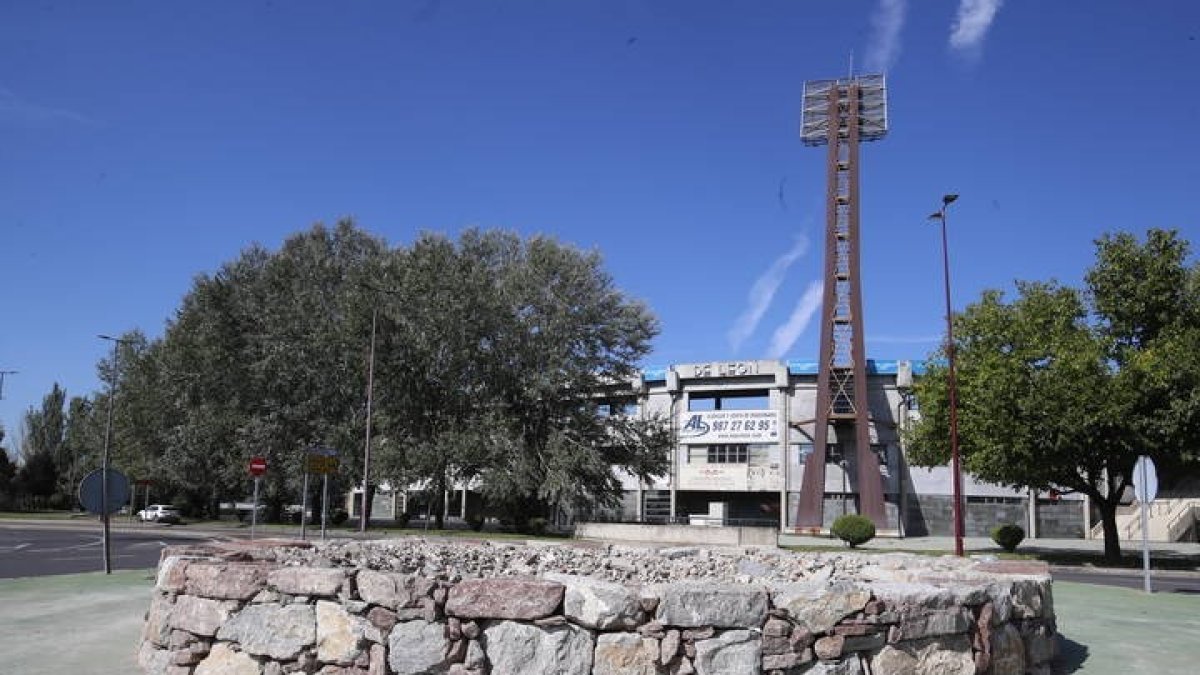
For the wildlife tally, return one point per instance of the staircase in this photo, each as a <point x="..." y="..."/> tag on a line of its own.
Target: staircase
<point x="1176" y="519"/>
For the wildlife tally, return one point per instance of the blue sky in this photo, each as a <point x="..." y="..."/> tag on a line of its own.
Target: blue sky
<point x="143" y="143"/>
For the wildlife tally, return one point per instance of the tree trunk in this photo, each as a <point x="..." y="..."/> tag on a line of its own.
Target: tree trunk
<point x="1108" y="517"/>
<point x="438" y="499"/>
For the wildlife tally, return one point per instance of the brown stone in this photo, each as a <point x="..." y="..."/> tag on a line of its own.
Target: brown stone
<point x="470" y="630"/>
<point x="776" y="644"/>
<point x="689" y="650"/>
<point x="780" y="661"/>
<point x="521" y="599"/>
<point x="429" y="610"/>
<point x="378" y="661"/>
<point x="199" y="615"/>
<point x="648" y="603"/>
<point x="453" y="629"/>
<point x="830" y="647"/>
<point x="702" y="633"/>
<point x="801" y="638"/>
<point x="777" y="627"/>
<point x="381" y="618"/>
<point x="227" y="581"/>
<point x="874" y="608"/>
<point x="652" y="629"/>
<point x="853" y="629"/>
<point x="551" y="621"/>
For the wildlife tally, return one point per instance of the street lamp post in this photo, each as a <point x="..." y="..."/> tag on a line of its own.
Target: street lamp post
<point x="112" y="393"/>
<point x="362" y="522"/>
<point x="951" y="383"/>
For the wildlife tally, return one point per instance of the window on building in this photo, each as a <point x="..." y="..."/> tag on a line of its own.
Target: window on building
<point x="728" y="454"/>
<point x="756" y="399"/>
<point x="802" y="451"/>
<point x="617" y="408"/>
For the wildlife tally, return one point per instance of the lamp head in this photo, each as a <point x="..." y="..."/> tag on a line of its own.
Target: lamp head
<point x="937" y="215"/>
<point x="948" y="199"/>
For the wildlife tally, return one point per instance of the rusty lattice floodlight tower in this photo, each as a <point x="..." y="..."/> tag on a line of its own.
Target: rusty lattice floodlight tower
<point x="841" y="114"/>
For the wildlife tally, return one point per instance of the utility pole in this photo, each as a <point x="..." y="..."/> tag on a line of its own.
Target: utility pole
<point x="112" y="394"/>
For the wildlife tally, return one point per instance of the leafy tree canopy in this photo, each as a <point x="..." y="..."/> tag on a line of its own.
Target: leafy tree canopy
<point x="1065" y="388"/>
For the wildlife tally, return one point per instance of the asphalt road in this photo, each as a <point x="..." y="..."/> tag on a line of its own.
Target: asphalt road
<point x="1160" y="582"/>
<point x="41" y="551"/>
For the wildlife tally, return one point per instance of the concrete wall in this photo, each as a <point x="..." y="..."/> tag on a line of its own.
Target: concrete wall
<point x="679" y="534"/>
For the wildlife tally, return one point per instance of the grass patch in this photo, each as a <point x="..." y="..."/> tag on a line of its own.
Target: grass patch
<point x="41" y="515"/>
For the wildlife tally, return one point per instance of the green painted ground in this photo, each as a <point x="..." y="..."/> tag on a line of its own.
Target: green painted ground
<point x="1120" y="631"/>
<point x="84" y="624"/>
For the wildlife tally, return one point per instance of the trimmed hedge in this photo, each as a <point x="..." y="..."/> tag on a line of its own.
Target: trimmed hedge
<point x="1008" y="536"/>
<point x="853" y="529"/>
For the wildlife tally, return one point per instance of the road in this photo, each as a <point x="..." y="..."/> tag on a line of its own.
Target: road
<point x="1160" y="582"/>
<point x="33" y="551"/>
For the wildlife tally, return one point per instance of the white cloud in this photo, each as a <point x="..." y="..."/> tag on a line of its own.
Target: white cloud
<point x="763" y="292"/>
<point x="886" y="23"/>
<point x="972" y="23"/>
<point x="13" y="108"/>
<point x="786" y="335"/>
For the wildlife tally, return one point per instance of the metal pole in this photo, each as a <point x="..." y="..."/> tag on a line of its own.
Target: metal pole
<point x="304" y="504"/>
<point x="112" y="393"/>
<point x="324" y="502"/>
<point x="362" y="522"/>
<point x="254" y="509"/>
<point x="1145" y="533"/>
<point x="952" y="387"/>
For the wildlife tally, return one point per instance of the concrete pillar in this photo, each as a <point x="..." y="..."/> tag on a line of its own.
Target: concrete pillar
<point x="1033" y="530"/>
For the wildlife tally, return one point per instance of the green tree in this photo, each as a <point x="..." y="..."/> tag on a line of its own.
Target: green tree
<point x="1064" y="389"/>
<point x="42" y="446"/>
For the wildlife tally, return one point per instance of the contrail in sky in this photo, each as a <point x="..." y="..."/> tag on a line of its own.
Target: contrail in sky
<point x="786" y="335"/>
<point x="886" y="23"/>
<point x="762" y="292"/>
<point x="971" y="25"/>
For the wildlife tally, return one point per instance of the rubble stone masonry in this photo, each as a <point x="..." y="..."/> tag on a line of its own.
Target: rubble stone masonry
<point x="412" y="606"/>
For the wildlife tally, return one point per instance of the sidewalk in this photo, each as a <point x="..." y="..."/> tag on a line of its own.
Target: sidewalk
<point x="1158" y="549"/>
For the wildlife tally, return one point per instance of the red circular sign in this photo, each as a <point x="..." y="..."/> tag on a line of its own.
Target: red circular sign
<point x="258" y="466"/>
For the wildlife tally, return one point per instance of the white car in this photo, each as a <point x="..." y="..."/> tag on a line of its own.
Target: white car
<point x="159" y="513"/>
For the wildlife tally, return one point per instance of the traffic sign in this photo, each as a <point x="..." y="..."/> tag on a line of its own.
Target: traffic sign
<point x="258" y="466"/>
<point x="1145" y="479"/>
<point x="91" y="490"/>
<point x="322" y="461"/>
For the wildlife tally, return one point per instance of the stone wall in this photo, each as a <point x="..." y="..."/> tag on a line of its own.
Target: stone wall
<point x="407" y="607"/>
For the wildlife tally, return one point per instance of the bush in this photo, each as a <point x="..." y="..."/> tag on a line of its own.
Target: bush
<point x="340" y="516"/>
<point x="1008" y="536"/>
<point x="476" y="521"/>
<point x="536" y="525"/>
<point x="853" y="529"/>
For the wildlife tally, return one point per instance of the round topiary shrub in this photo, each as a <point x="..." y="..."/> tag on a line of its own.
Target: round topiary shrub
<point x="1008" y="536"/>
<point x="853" y="529"/>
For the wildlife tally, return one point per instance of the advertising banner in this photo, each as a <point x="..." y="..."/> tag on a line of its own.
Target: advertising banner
<point x="712" y="427"/>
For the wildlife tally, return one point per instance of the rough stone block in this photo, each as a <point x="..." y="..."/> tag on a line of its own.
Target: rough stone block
<point x="341" y="636"/>
<point x="320" y="581"/>
<point x="819" y="607"/>
<point x="829" y="647"/>
<point x="523" y="649"/>
<point x="386" y="589"/>
<point x="266" y="630"/>
<point x="231" y="581"/>
<point x="693" y="604"/>
<point x="521" y="599"/>
<point x="198" y="615"/>
<point x="625" y="654"/>
<point x="417" y="647"/>
<point x="731" y="651"/>
<point x="223" y="660"/>
<point x="157" y="628"/>
<point x="596" y="604"/>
